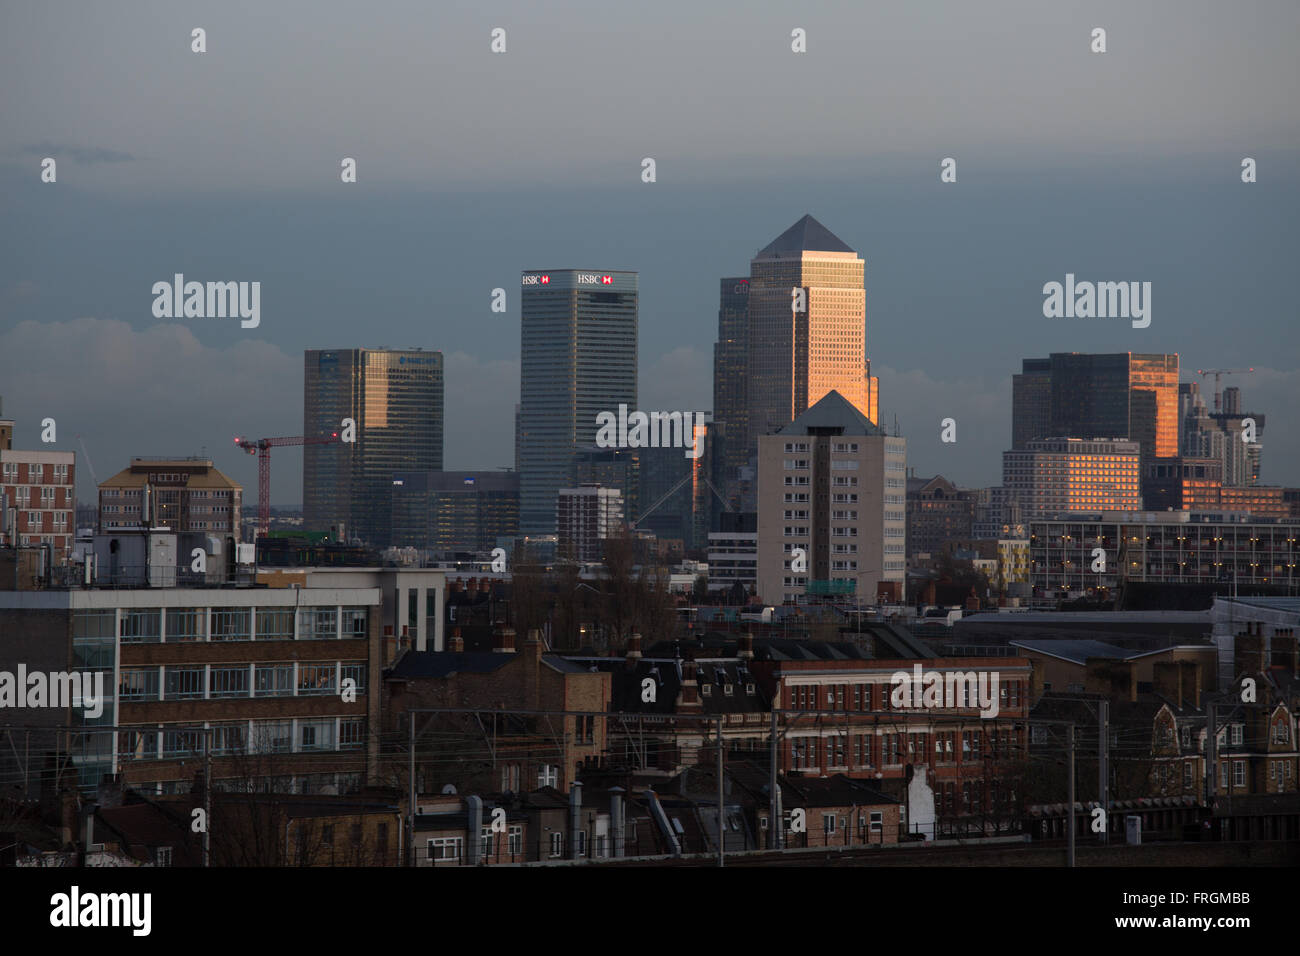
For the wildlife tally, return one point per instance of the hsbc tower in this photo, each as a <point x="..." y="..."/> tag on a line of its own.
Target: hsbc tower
<point x="578" y="358"/>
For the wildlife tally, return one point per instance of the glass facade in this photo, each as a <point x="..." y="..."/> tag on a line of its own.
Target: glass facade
<point x="579" y="358"/>
<point x="396" y="399"/>
<point x="453" y="512"/>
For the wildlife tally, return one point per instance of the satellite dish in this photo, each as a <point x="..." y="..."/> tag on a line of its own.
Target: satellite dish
<point x="449" y="789"/>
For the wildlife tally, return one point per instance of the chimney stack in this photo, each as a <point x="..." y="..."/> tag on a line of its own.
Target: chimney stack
<point x="457" y="645"/>
<point x="503" y="640"/>
<point x="633" y="649"/>
<point x="746" y="648"/>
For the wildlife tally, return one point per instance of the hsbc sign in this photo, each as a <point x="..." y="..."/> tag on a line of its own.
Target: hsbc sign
<point x="589" y="278"/>
<point x="535" y="280"/>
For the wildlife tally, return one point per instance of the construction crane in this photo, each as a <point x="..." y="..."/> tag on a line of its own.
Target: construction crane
<point x="1218" y="373"/>
<point x="262" y="449"/>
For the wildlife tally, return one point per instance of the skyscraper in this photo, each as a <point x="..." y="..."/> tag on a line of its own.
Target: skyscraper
<point x="579" y="358"/>
<point x="730" y="356"/>
<point x="395" y="397"/>
<point x="1118" y="395"/>
<point x="806" y="334"/>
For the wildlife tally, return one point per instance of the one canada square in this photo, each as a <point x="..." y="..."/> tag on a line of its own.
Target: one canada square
<point x="790" y="334"/>
<point x="578" y="358"/>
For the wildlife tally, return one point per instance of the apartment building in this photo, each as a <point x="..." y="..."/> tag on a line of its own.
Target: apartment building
<point x="37" y="497"/>
<point x="832" y="507"/>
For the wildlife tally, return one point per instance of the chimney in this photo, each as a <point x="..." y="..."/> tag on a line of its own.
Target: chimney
<point x="746" y="647"/>
<point x="688" y="698"/>
<point x="633" y="649"/>
<point x="1116" y="680"/>
<point x="503" y="640"/>
<point x="1248" y="653"/>
<point x="533" y="644"/>
<point x="457" y="645"/>
<point x="1283" y="650"/>
<point x="1167" y="681"/>
<point x="1191" y="681"/>
<point x="575" y="817"/>
<point x="404" y="642"/>
<point x="616" y="821"/>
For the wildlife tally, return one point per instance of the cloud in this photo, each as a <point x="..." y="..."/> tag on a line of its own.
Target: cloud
<point x="86" y="156"/>
<point x="157" y="391"/>
<point x="680" y="380"/>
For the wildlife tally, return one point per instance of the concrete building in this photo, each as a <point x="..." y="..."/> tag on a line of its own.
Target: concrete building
<point x="1178" y="547"/>
<point x="259" y="673"/>
<point x="1196" y="484"/>
<point x="1219" y="434"/>
<point x="831" y="486"/>
<point x="579" y="358"/>
<point x="182" y="495"/>
<point x="395" y="399"/>
<point x="1051" y="476"/>
<point x="733" y="552"/>
<point x="585" y="518"/>
<point x="37" y="497"/>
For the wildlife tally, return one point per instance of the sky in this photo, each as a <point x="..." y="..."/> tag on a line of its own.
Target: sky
<point x="473" y="165"/>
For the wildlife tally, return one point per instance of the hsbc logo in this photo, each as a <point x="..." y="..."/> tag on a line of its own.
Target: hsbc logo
<point x="589" y="278"/>
<point x="535" y="280"/>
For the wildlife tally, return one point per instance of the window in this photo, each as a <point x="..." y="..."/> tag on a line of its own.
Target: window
<point x="357" y="674"/>
<point x="185" y="624"/>
<point x="182" y="743"/>
<point x="316" y="679"/>
<point x="229" y="738"/>
<point x="138" y="683"/>
<point x="142" y="626"/>
<point x="1238" y="731"/>
<point x="274" y="624"/>
<point x="184" y="682"/>
<point x="351" y="733"/>
<point x="445" y="848"/>
<point x="1239" y="773"/>
<point x="355" y="621"/>
<point x="877" y="821"/>
<point x="138" y="745"/>
<point x="516" y="840"/>
<point x="486" y="842"/>
<point x="316" y="734"/>
<point x="547" y="775"/>
<point x="273" y="680"/>
<point x="557" y="844"/>
<point x="162" y="856"/>
<point x="229" y="624"/>
<point x="828" y="823"/>
<point x="273" y="736"/>
<point x="318" y="623"/>
<point x="228" y="682"/>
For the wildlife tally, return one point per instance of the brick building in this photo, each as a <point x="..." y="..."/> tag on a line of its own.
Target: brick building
<point x="37" y="497"/>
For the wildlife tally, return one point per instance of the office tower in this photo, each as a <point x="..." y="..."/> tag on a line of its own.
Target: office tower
<point x="395" y="397"/>
<point x="1031" y="402"/>
<point x="180" y="494"/>
<point x="730" y="358"/>
<point x="37" y="497"/>
<point x="1218" y="435"/>
<point x="833" y="485"/>
<point x="806" y="331"/>
<point x="585" y="518"/>
<point x="454" y="512"/>
<point x="1057" y="475"/>
<point x="578" y="358"/>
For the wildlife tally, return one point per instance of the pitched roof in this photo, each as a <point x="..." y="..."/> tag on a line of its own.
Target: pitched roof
<point x="446" y="663"/>
<point x="833" y="411"/>
<point x="806" y="235"/>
